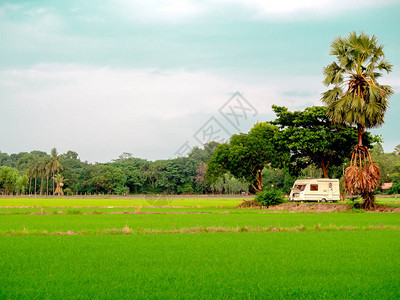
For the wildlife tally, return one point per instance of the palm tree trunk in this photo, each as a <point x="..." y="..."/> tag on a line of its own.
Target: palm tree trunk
<point x="35" y="186"/>
<point x="47" y="190"/>
<point x="360" y="129"/>
<point x="53" y="183"/>
<point x="30" y="184"/>
<point x="41" y="185"/>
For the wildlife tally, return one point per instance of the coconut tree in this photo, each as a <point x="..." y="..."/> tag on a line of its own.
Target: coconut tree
<point x="59" y="184"/>
<point x="357" y="98"/>
<point x="54" y="165"/>
<point x="31" y="172"/>
<point x="42" y="171"/>
<point x="35" y="172"/>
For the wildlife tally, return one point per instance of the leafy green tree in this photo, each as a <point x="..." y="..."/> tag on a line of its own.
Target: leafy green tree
<point x="229" y="184"/>
<point x="389" y="164"/>
<point x="246" y="155"/>
<point x="8" y="179"/>
<point x="205" y="154"/>
<point x="21" y="184"/>
<point x="358" y="99"/>
<point x="72" y="169"/>
<point x="312" y="138"/>
<point x="178" y="174"/>
<point x="132" y="168"/>
<point x="277" y="178"/>
<point x="152" y="172"/>
<point x="103" y="179"/>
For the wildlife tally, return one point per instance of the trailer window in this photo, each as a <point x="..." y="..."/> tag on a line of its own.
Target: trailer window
<point x="300" y="187"/>
<point x="330" y="185"/>
<point x="313" y="187"/>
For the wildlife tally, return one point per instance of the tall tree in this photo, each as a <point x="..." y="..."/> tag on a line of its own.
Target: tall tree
<point x="246" y="155"/>
<point x="42" y="162"/>
<point x="54" y="165"/>
<point x="358" y="99"/>
<point x="31" y="171"/>
<point x="59" y="179"/>
<point x="310" y="137"/>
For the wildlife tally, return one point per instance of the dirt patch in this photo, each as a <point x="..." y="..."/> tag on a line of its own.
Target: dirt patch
<point x="299" y="207"/>
<point x="296" y="207"/>
<point x="311" y="207"/>
<point x="386" y="209"/>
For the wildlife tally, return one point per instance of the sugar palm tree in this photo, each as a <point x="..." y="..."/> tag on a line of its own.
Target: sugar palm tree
<point x="358" y="99"/>
<point x="59" y="184"/>
<point x="54" y="165"/>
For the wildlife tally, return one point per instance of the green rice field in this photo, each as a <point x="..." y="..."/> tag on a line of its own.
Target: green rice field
<point x="111" y="248"/>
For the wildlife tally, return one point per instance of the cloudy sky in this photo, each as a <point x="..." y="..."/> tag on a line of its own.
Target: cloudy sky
<point x="153" y="77"/>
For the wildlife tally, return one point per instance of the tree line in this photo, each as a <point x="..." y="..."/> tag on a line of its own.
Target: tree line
<point x="39" y="173"/>
<point x="271" y="155"/>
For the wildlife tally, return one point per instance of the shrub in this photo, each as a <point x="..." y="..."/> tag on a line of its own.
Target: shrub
<point x="270" y="198"/>
<point x="355" y="203"/>
<point x="395" y="189"/>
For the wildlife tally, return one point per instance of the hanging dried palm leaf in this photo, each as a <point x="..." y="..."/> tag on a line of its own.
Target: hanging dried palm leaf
<point x="362" y="176"/>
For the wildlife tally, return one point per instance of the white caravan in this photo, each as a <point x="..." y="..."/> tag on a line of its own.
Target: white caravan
<point x="315" y="189"/>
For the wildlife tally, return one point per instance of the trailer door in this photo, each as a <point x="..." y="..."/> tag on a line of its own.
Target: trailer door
<point x="330" y="191"/>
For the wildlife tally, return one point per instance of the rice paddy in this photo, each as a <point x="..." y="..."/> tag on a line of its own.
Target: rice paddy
<point x="81" y="248"/>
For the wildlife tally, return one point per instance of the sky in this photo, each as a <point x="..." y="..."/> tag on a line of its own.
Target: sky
<point x="155" y="78"/>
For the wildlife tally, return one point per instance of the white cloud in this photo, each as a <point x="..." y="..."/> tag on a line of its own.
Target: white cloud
<point x="102" y="112"/>
<point x="183" y="10"/>
<point x="164" y="10"/>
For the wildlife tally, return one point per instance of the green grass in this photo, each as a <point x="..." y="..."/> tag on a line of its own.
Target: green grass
<point x="99" y="223"/>
<point x="311" y="265"/>
<point x="120" y="202"/>
<point x="349" y="261"/>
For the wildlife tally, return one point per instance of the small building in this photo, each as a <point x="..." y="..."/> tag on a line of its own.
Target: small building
<point x="386" y="185"/>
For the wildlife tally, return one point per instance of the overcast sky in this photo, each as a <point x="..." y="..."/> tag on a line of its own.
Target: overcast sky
<point x="154" y="78"/>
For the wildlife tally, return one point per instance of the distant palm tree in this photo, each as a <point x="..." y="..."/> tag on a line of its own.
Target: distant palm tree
<point x="42" y="171"/>
<point x="31" y="172"/>
<point x="358" y="99"/>
<point x="59" y="184"/>
<point x="54" y="165"/>
<point x="35" y="172"/>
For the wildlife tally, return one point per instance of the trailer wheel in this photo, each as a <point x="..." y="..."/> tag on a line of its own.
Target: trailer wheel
<point x="323" y="200"/>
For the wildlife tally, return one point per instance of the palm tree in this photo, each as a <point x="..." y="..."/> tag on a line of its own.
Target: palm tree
<point x="42" y="171"/>
<point x="35" y="172"/>
<point x="358" y="99"/>
<point x="54" y="165"/>
<point x="29" y="173"/>
<point x="60" y="183"/>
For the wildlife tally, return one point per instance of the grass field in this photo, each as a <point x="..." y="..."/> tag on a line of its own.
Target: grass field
<point x="197" y="251"/>
<point x="120" y="202"/>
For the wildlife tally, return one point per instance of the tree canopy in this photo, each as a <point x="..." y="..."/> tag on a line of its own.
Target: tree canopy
<point x="311" y="137"/>
<point x="246" y="155"/>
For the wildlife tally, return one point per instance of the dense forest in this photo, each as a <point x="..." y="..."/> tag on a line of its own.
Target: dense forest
<point x="296" y="144"/>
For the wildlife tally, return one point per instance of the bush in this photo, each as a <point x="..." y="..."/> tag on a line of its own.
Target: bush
<point x="270" y="198"/>
<point x="395" y="189"/>
<point x="355" y="203"/>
